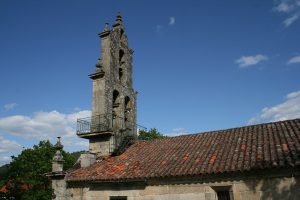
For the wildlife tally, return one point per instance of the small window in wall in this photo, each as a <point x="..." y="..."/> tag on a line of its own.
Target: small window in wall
<point x="223" y="195"/>
<point x="118" y="198"/>
<point x="223" y="192"/>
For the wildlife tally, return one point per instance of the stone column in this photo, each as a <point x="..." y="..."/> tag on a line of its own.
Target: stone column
<point x="58" y="162"/>
<point x="58" y="175"/>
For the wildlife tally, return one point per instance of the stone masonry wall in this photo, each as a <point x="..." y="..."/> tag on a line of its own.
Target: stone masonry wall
<point x="271" y="188"/>
<point x="59" y="189"/>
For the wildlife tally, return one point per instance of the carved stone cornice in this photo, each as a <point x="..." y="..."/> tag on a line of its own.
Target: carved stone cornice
<point x="97" y="75"/>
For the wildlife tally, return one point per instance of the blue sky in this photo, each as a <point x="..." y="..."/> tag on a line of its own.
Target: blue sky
<point x="198" y="65"/>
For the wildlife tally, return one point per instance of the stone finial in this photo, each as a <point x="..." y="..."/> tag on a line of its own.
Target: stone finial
<point x="58" y="145"/>
<point x="106" y="27"/>
<point x="99" y="63"/>
<point x="118" y="20"/>
<point x="58" y="157"/>
<point x="57" y="162"/>
<point x="105" y="32"/>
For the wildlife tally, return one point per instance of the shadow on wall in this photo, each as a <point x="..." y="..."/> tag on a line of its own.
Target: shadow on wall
<point x="284" y="188"/>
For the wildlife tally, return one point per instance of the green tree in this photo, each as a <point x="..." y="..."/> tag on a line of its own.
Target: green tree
<point x="149" y="135"/>
<point x="3" y="174"/>
<point x="26" y="172"/>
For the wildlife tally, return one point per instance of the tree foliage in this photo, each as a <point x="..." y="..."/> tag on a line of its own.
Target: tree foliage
<point x="26" y="172"/>
<point x="153" y="133"/>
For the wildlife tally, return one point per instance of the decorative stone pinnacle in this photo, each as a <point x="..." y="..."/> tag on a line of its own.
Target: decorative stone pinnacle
<point x="58" y="157"/>
<point x="118" y="19"/>
<point x="105" y="31"/>
<point x="106" y="27"/>
<point x="58" y="145"/>
<point x="99" y="63"/>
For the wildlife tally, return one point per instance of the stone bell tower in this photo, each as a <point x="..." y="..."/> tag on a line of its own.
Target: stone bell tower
<point x="114" y="99"/>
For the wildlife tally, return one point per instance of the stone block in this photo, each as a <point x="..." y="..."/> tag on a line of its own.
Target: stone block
<point x="155" y="190"/>
<point x="187" y="188"/>
<point x="87" y="159"/>
<point x="250" y="195"/>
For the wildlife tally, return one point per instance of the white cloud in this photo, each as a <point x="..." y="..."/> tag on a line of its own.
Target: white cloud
<point x="159" y="28"/>
<point x="246" y="61"/>
<point x="8" y="145"/>
<point x="289" y="109"/>
<point x="294" y="60"/>
<point x="291" y="8"/>
<point x="46" y="126"/>
<point x="172" y="21"/>
<point x="4" y="160"/>
<point x="290" y="20"/>
<point x="8" y="148"/>
<point x="42" y="125"/>
<point x="284" y="6"/>
<point x="178" y="131"/>
<point x="10" y="106"/>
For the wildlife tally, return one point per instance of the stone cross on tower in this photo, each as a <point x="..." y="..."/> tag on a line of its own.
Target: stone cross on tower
<point x="114" y="99"/>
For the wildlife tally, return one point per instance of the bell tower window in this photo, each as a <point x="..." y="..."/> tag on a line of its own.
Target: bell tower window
<point x="116" y="99"/>
<point x="120" y="73"/>
<point x="116" y="108"/>
<point x="121" y="57"/>
<point x="121" y="65"/>
<point x="127" y="110"/>
<point x="121" y="34"/>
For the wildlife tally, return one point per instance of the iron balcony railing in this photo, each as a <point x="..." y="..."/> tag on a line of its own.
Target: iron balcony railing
<point x="104" y="123"/>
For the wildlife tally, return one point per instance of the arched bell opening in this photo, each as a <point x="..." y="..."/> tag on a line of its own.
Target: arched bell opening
<point x="121" y="57"/>
<point x="127" y="112"/>
<point x="116" y="108"/>
<point x="121" y="33"/>
<point x="120" y="74"/>
<point x="121" y="69"/>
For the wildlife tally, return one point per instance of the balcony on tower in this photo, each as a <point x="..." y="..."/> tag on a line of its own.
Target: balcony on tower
<point x="104" y="124"/>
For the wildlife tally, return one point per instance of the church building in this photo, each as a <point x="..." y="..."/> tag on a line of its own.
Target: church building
<point x="246" y="163"/>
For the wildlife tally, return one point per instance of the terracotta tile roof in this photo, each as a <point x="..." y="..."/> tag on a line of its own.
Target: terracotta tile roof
<point x="263" y="146"/>
<point x="4" y="189"/>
